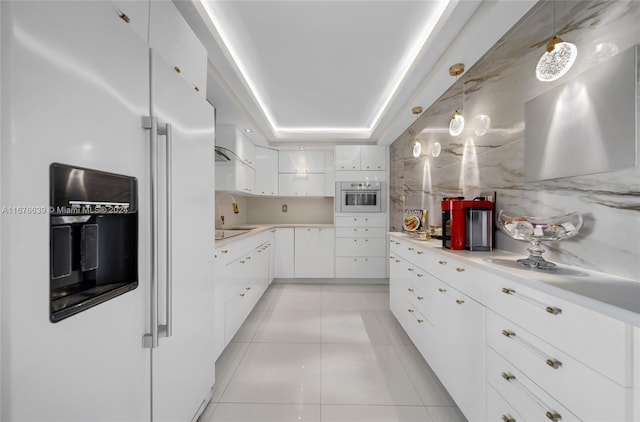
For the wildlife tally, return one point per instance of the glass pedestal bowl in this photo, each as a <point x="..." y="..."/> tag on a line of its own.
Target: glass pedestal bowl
<point x="536" y="230"/>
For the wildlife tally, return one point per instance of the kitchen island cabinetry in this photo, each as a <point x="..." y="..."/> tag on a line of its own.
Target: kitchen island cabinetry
<point x="314" y="252"/>
<point x="543" y="356"/>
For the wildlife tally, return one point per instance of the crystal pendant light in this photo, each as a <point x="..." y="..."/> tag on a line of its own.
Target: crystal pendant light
<point x="558" y="57"/>
<point x="456" y="125"/>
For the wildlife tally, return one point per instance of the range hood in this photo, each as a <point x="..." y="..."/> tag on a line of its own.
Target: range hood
<point x="222" y="154"/>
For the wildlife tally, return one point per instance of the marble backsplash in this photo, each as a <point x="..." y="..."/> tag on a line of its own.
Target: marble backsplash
<point x="474" y="163"/>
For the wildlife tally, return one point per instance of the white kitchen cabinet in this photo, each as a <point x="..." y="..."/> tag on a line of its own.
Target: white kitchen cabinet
<point x="447" y="326"/>
<point x="266" y="171"/>
<point x="135" y="14"/>
<point x="234" y="176"/>
<point x="360" y="157"/>
<point x="301" y="184"/>
<point x="301" y="161"/>
<point x="347" y="157"/>
<point x="329" y="174"/>
<point x="233" y="139"/>
<point x="373" y="157"/>
<point x="172" y="38"/>
<point x="314" y="252"/>
<point x="219" y="300"/>
<point x="361" y="248"/>
<point x="284" y="253"/>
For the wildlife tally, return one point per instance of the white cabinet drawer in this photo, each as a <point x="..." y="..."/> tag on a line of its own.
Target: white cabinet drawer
<point x="361" y="232"/>
<point x="586" y="393"/>
<point x="371" y="267"/>
<point x="524" y="396"/>
<point x="567" y="327"/>
<point x="468" y="280"/>
<point x="346" y="246"/>
<point x="355" y="220"/>
<point x="498" y="409"/>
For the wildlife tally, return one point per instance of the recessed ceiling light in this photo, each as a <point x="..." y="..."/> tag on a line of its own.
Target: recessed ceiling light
<point x="248" y="130"/>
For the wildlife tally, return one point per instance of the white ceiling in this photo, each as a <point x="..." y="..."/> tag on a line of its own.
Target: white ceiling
<point x="317" y="72"/>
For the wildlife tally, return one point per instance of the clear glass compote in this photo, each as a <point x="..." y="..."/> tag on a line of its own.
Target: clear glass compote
<point x="536" y="230"/>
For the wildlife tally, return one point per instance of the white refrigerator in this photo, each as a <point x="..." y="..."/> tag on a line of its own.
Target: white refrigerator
<point x="79" y="87"/>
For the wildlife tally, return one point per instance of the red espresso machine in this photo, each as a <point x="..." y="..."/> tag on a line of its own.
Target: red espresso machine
<point x="467" y="224"/>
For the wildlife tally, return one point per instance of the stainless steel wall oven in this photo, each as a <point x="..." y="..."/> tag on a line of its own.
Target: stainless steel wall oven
<point x="360" y="197"/>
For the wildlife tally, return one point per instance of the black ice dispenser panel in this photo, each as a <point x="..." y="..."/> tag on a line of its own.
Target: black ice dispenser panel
<point x="93" y="238"/>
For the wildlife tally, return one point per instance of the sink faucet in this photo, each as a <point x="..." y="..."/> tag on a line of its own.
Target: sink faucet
<point x="234" y="207"/>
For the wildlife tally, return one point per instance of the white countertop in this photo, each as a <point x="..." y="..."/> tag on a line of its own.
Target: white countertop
<point x="257" y="228"/>
<point x="613" y="296"/>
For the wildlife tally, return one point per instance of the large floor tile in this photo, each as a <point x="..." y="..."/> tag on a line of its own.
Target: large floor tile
<point x="351" y="413"/>
<point x="353" y="327"/>
<point x="277" y="373"/>
<point x="392" y="327"/>
<point x="244" y="412"/>
<point x="344" y="301"/>
<point x="226" y="366"/>
<point x="378" y="300"/>
<point x="298" y="300"/>
<point x="290" y="327"/>
<point x="365" y="374"/>
<point x="429" y="387"/>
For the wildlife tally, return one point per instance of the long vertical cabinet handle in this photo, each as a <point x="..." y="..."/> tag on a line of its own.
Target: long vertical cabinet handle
<point x="167" y="330"/>
<point x="150" y="340"/>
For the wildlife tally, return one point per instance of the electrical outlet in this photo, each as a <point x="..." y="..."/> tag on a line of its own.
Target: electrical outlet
<point x="284" y="207"/>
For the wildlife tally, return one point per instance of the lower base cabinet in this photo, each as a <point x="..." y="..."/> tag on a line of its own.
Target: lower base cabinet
<point x="508" y="352"/>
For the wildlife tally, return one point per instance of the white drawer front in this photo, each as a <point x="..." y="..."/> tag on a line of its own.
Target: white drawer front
<point x="586" y="393"/>
<point x="524" y="396"/>
<point x="468" y="280"/>
<point x="372" y="267"/>
<point x="568" y="327"/>
<point x="360" y="246"/>
<point x="498" y="409"/>
<point x="356" y="220"/>
<point x="361" y="232"/>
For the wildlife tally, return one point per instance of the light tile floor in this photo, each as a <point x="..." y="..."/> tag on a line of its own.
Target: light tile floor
<point x="325" y="352"/>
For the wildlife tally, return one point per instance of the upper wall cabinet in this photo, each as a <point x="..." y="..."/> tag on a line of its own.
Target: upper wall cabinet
<point x="174" y="40"/>
<point x="266" y="171"/>
<point x="135" y="14"/>
<point x="232" y="138"/>
<point x="301" y="162"/>
<point x="360" y="157"/>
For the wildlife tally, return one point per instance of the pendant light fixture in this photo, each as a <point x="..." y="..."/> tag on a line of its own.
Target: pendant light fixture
<point x="456" y="125"/>
<point x="558" y="57"/>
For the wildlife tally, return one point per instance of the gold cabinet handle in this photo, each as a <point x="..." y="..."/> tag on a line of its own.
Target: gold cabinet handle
<point x="508" y="376"/>
<point x="177" y="69"/>
<point x="410" y="249"/>
<point x="247" y="288"/>
<point x="410" y="289"/>
<point x="225" y="251"/>
<point x="554" y="363"/>
<point x="420" y="275"/>
<point x="411" y="310"/>
<point x="459" y="270"/>
<point x="459" y="302"/>
<point x="506" y="418"/>
<point x="553" y="310"/>
<point x="551" y="415"/>
<point x="441" y="290"/>
<point x="420" y="298"/>
<point x="508" y="333"/>
<point x="507" y="291"/>
<point x="248" y="257"/>
<point x="241" y="294"/>
<point x="242" y="262"/>
<point x="442" y="262"/>
<point x="397" y="260"/>
<point x="410" y="269"/>
<point x="420" y="321"/>
<point x="419" y="252"/>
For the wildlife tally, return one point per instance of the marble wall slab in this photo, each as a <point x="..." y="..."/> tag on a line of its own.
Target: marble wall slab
<point x="476" y="163"/>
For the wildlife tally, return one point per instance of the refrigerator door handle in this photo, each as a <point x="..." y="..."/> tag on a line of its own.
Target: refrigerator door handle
<point x="150" y="340"/>
<point x="167" y="330"/>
